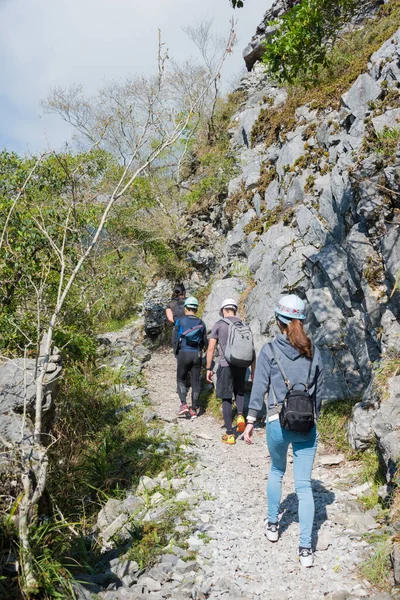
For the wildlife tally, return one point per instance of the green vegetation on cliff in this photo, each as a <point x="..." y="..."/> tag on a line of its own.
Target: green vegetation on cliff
<point x="347" y="61"/>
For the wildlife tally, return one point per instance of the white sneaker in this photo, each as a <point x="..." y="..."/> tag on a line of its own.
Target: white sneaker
<point x="306" y="557"/>
<point x="271" y="530"/>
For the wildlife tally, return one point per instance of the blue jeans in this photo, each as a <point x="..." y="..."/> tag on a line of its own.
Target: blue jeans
<point x="304" y="449"/>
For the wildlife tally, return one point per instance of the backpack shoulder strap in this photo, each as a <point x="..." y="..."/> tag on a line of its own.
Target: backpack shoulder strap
<point x="270" y="383"/>
<point x="228" y="322"/>
<point x="311" y="364"/>
<point x="280" y="367"/>
<point x="192" y="328"/>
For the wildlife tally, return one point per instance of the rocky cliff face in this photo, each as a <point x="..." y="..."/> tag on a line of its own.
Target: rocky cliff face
<point x="317" y="213"/>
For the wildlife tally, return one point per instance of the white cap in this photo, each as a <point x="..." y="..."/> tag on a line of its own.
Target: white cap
<point x="228" y="303"/>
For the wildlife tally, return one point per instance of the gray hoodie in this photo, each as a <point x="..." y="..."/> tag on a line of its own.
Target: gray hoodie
<point x="296" y="367"/>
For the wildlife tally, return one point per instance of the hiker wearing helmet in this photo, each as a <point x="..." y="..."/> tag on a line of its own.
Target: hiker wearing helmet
<point x="234" y="359"/>
<point x="191" y="339"/>
<point x="290" y="370"/>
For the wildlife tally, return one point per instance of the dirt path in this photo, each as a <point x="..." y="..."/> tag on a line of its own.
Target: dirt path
<point x="238" y="559"/>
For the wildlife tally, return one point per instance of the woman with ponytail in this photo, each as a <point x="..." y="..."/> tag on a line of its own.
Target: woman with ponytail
<point x="291" y="353"/>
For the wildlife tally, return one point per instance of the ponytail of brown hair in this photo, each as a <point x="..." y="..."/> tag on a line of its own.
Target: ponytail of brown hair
<point x="298" y="338"/>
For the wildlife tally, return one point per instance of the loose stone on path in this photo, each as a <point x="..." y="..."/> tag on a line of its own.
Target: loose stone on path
<point x="236" y="560"/>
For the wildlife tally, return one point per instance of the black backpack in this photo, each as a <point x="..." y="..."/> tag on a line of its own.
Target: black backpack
<point x="179" y="309"/>
<point x="298" y="407"/>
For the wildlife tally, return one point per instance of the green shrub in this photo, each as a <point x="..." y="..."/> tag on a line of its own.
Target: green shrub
<point x="74" y="345"/>
<point x="304" y="38"/>
<point x="100" y="450"/>
<point x="387" y="142"/>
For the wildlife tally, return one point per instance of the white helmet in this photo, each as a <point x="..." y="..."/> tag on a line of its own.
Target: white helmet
<point x="228" y="303"/>
<point x="290" y="307"/>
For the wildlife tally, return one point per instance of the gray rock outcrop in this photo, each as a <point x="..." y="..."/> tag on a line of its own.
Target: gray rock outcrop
<point x="324" y="226"/>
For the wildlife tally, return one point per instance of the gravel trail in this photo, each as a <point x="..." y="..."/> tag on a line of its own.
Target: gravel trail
<point x="238" y="560"/>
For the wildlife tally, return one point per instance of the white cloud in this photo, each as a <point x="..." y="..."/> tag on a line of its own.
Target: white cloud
<point x="45" y="43"/>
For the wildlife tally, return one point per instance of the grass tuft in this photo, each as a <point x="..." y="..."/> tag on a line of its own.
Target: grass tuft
<point x="148" y="540"/>
<point x="388" y="367"/>
<point x="210" y="403"/>
<point x="332" y="426"/>
<point x="377" y="568"/>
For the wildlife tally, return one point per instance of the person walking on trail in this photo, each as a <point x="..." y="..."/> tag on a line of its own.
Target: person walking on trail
<point x="176" y="308"/>
<point x="174" y="311"/>
<point x="231" y="374"/>
<point x="290" y="370"/>
<point x="191" y="339"/>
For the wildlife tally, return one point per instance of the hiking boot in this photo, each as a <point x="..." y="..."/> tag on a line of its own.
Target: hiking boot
<point x="306" y="557"/>
<point x="271" y="530"/>
<point x="241" y="424"/>
<point x="192" y="414"/>
<point x="228" y="438"/>
<point x="183" y="410"/>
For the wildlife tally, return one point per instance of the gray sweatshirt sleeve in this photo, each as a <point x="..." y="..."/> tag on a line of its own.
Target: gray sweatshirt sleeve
<point x="260" y="384"/>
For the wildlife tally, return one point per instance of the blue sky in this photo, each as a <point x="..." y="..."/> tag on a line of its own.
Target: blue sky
<point x="47" y="43"/>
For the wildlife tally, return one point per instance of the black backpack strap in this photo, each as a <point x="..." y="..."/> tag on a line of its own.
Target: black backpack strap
<point x="278" y="362"/>
<point x="270" y="383"/>
<point x="198" y="326"/>
<point x="310" y="369"/>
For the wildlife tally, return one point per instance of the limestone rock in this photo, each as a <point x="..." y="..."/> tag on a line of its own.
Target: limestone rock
<point x="273" y="195"/>
<point x="371" y="203"/>
<point x="395" y="558"/>
<point x="391" y="252"/>
<point x="251" y="171"/>
<point x="243" y="126"/>
<point x="236" y="241"/>
<point x="254" y="51"/>
<point x="360" y="248"/>
<point x="146" y="484"/>
<point x="381" y="57"/>
<point x="363" y="90"/>
<point x="331" y="459"/>
<point x="360" y="431"/>
<point x="334" y="264"/>
<point x="390" y="331"/>
<point x="389" y="119"/>
<point x="289" y="153"/>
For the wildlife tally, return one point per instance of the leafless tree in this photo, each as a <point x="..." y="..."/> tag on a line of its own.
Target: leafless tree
<point x="211" y="47"/>
<point x="140" y="120"/>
